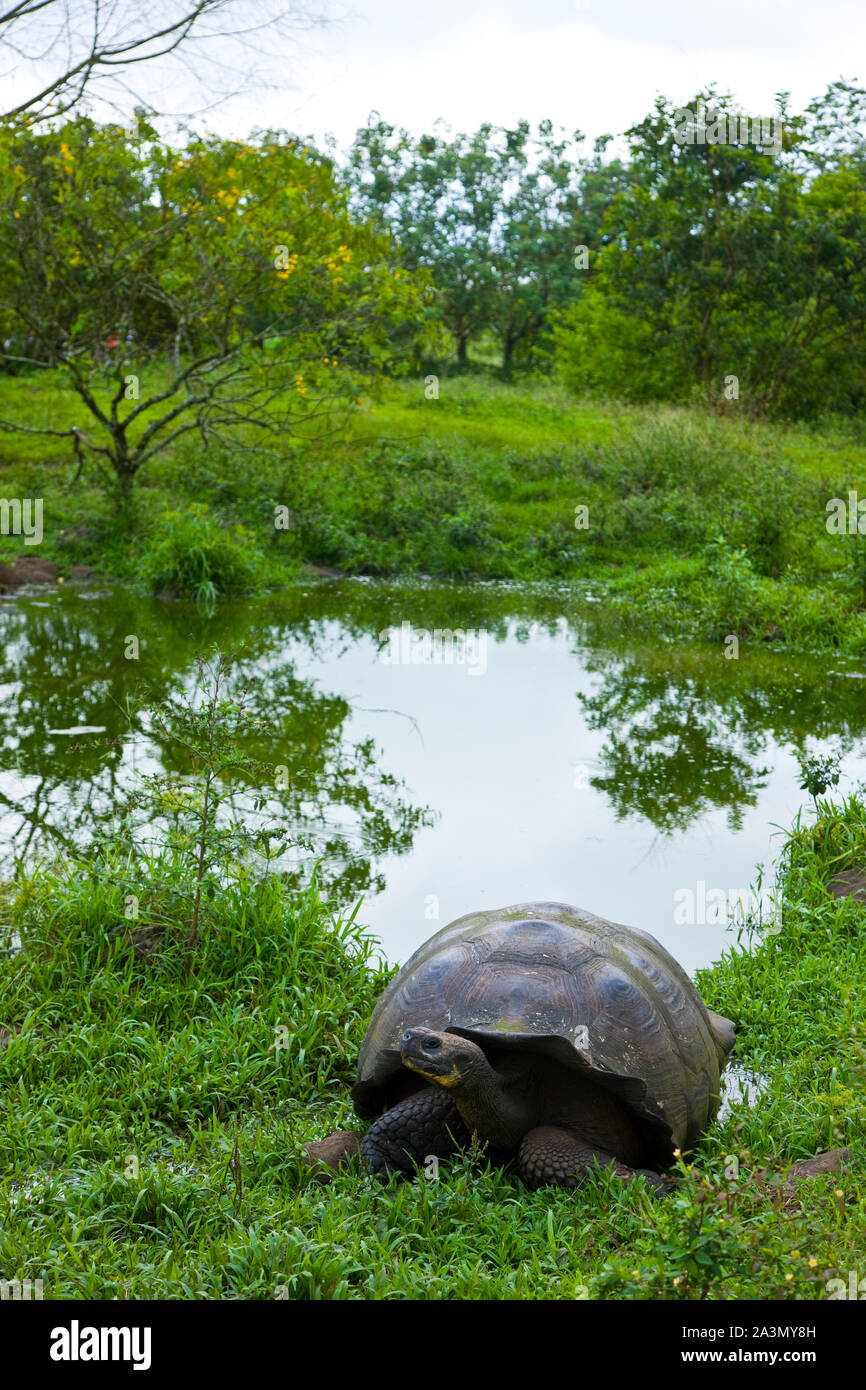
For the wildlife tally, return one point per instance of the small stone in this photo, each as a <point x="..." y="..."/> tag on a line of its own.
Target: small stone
<point x="326" y="1156"/>
<point x="850" y="883"/>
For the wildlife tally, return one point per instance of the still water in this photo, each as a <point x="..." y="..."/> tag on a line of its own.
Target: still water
<point x="544" y="756"/>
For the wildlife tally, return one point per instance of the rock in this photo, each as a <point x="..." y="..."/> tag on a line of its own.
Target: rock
<point x="850" y="883"/>
<point x="27" y="569"/>
<point x="95" y="593"/>
<point x="79" y="574"/>
<point x="833" y="1161"/>
<point x="326" y="1156"/>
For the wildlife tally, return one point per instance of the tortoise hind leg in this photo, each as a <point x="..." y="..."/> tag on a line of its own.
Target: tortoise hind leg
<point x="424" y="1124"/>
<point x="553" y="1157"/>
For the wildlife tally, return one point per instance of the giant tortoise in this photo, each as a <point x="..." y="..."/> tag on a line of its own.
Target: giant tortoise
<point x="563" y="1041"/>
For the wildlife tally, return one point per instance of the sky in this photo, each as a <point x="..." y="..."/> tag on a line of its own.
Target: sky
<point x="592" y="65"/>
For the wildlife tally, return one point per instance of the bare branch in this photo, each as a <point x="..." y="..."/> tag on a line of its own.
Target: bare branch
<point x="87" y="45"/>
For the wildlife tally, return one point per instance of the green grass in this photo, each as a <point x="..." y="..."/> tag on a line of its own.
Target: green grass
<point x="699" y="525"/>
<point x="153" y="1115"/>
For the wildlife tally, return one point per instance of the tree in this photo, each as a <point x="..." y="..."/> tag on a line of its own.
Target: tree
<point x="440" y="199"/>
<point x="728" y="267"/>
<point x="495" y="216"/>
<point x="222" y="289"/>
<point x="551" y="214"/>
<point x="56" y="51"/>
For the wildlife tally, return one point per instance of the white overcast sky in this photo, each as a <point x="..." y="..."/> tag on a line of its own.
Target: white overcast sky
<point x="594" y="65"/>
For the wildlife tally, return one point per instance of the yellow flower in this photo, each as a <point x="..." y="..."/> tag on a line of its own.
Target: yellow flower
<point x="287" y="270"/>
<point x="812" y="1264"/>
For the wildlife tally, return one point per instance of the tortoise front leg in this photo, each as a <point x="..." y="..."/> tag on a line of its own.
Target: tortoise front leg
<point x="424" y="1124"/>
<point x="553" y="1157"/>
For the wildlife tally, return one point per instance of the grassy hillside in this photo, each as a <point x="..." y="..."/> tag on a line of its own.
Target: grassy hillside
<point x="698" y="524"/>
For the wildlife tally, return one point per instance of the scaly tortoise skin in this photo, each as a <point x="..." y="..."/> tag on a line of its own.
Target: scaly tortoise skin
<point x="564" y="1041"/>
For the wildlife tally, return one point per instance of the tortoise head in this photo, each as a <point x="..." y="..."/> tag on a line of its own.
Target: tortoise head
<point x="443" y="1058"/>
<point x="463" y="1068"/>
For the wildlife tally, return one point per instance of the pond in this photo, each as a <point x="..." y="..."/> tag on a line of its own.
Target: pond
<point x="449" y="747"/>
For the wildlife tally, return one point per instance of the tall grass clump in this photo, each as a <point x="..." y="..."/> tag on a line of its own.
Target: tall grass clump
<point x="191" y="553"/>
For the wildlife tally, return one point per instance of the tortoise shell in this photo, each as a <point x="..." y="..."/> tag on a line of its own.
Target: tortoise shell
<point x="604" y="1000"/>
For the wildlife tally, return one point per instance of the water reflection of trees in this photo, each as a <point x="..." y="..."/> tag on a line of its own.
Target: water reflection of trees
<point x="686" y="731"/>
<point x="340" y="805"/>
<point x="63" y="666"/>
<point x="669" y="757"/>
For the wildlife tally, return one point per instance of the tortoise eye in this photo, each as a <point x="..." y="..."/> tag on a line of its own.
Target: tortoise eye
<point x="431" y="1044"/>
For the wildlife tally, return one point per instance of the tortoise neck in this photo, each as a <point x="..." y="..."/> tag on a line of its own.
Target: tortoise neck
<point x="486" y="1106"/>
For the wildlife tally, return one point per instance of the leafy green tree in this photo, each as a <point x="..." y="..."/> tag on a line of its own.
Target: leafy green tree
<point x="222" y="288"/>
<point x="550" y="228"/>
<point x="729" y="268"/>
<point x="440" y="198"/>
<point x="532" y="256"/>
